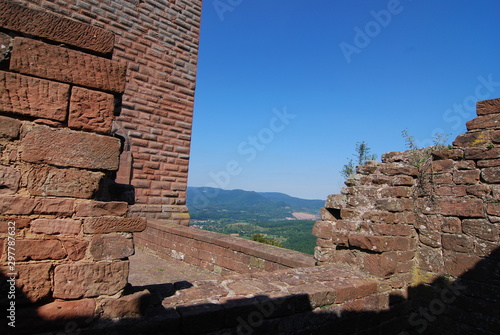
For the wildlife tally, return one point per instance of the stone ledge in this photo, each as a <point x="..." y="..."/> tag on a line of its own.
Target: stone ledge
<point x="48" y="61"/>
<point x="286" y="257"/>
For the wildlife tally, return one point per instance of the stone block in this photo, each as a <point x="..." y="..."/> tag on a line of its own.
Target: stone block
<point x="57" y="206"/>
<point x="48" y="61"/>
<point x="129" y="306"/>
<point x="55" y="28"/>
<point x="466" y="177"/>
<point x="67" y="310"/>
<point x="394" y="205"/>
<point x="99" y="208"/>
<point x="9" y="180"/>
<point x="481" y="228"/>
<point x="474" y="139"/>
<point x="323" y="229"/>
<point x="33" y="97"/>
<point x="451" y="225"/>
<point x="482" y="153"/>
<point x="33" y="282"/>
<point x="380" y="243"/>
<point x="380" y="265"/>
<point x="491" y="175"/>
<point x="75" y="248"/>
<point x="113" y="224"/>
<point x="76" y="281"/>
<point x="397" y="169"/>
<point x="39" y="250"/>
<point x="493" y="208"/>
<point x="457" y="242"/>
<point x="56" y="226"/>
<point x="456" y="264"/>
<point x="490" y="121"/>
<point x="9" y="128"/>
<point x="486" y="107"/>
<point x="16" y="205"/>
<point x="111" y="247"/>
<point x="461" y="207"/>
<point x="74" y="183"/>
<point x="69" y="148"/>
<point x="91" y="110"/>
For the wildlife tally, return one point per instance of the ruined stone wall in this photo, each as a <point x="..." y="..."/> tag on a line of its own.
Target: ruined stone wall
<point x="158" y="43"/>
<point x="424" y="215"/>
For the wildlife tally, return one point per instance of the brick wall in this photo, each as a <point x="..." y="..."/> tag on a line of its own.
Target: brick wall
<point x="62" y="253"/>
<point x="158" y="43"/>
<point x="424" y="215"/>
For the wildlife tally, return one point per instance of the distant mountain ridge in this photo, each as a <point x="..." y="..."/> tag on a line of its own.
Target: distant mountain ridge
<point x="207" y="203"/>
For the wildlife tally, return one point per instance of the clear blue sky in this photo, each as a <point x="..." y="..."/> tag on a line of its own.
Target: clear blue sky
<point x="285" y="88"/>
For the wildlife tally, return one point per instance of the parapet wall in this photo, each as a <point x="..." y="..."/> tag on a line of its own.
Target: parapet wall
<point x="424" y="214"/>
<point x="217" y="252"/>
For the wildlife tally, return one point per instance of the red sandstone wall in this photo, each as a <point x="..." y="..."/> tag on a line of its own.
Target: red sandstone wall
<point x="158" y="43"/>
<point x="417" y="223"/>
<point x="63" y="253"/>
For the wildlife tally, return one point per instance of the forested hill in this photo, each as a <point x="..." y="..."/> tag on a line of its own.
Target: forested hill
<point x="206" y="203"/>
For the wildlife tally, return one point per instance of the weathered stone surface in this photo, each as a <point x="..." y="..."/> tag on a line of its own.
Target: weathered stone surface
<point x="9" y="180"/>
<point x="99" y="208"/>
<point x="457" y="242"/>
<point x="75" y="248"/>
<point x="67" y="310"/>
<point x="380" y="265"/>
<point x="69" y="148"/>
<point x="113" y="224"/>
<point x="9" y="128"/>
<point x="482" y="153"/>
<point x="481" y="228"/>
<point x="485" y="107"/>
<point x="466" y="177"/>
<point x="16" y="205"/>
<point x="33" y="282"/>
<point x="39" y="250"/>
<point x="55" y="28"/>
<point x="33" y="96"/>
<point x="474" y="139"/>
<point x="490" y="121"/>
<point x="111" y="247"/>
<point x="74" y="183"/>
<point x="394" y="205"/>
<point x="493" y="208"/>
<point x="129" y="306"/>
<point x="491" y="175"/>
<point x="380" y="243"/>
<point x="455" y="207"/>
<point x="56" y="226"/>
<point x="91" y="110"/>
<point x="75" y="281"/>
<point x="43" y="60"/>
<point x="456" y="264"/>
<point x="58" y="206"/>
<point x="323" y="229"/>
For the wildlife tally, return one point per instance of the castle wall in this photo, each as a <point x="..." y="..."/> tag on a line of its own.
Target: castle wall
<point x="423" y="215"/>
